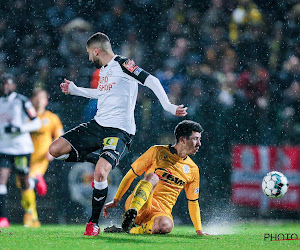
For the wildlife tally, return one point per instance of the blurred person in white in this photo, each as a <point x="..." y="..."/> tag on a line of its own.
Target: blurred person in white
<point x="17" y="119"/>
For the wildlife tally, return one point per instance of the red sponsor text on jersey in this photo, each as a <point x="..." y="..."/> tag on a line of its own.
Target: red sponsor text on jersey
<point x="103" y="79"/>
<point x="130" y="65"/>
<point x="105" y="87"/>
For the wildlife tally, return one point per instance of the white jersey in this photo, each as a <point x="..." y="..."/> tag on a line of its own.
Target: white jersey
<point x="117" y="92"/>
<point x="16" y="109"/>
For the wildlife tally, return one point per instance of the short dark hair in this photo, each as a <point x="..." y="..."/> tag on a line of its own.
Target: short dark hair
<point x="186" y="128"/>
<point x="97" y="38"/>
<point x="5" y="77"/>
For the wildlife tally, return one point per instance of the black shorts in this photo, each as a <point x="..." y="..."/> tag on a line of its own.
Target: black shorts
<point x="89" y="137"/>
<point x="19" y="162"/>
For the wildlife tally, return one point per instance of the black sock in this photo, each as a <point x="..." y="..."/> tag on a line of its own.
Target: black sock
<point x="2" y="205"/>
<point x="72" y="157"/>
<point x="98" y="203"/>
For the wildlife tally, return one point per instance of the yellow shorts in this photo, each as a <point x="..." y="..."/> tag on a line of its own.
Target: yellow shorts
<point x="149" y="211"/>
<point x="38" y="168"/>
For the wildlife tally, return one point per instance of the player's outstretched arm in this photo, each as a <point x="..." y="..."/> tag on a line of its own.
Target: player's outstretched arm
<point x="69" y="87"/>
<point x="123" y="187"/>
<point x="154" y="84"/>
<point x="194" y="211"/>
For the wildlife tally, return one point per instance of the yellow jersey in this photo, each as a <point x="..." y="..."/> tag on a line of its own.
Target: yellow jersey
<point x="174" y="172"/>
<point x="51" y="129"/>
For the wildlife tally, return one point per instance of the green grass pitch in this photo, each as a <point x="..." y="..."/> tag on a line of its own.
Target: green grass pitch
<point x="242" y="236"/>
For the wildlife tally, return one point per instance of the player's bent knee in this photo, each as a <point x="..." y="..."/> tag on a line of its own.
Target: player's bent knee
<point x="153" y="178"/>
<point x="59" y="147"/>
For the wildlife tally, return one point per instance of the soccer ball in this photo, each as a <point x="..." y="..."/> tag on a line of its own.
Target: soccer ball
<point x="275" y="185"/>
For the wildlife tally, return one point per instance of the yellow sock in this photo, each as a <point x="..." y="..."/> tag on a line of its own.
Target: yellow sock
<point x="29" y="202"/>
<point x="141" y="195"/>
<point x="143" y="229"/>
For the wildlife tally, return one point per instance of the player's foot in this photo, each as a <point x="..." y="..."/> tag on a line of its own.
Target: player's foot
<point x="92" y="229"/>
<point x="28" y="221"/>
<point x="41" y="186"/>
<point x="113" y="229"/>
<point x="4" y="222"/>
<point x="128" y="219"/>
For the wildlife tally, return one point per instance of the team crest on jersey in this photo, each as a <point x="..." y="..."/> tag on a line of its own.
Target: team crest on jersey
<point x="130" y="65"/>
<point x="45" y="121"/>
<point x="186" y="169"/>
<point x="196" y="190"/>
<point x="110" y="143"/>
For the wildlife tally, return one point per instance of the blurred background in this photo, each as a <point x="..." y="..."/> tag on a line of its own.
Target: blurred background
<point x="234" y="63"/>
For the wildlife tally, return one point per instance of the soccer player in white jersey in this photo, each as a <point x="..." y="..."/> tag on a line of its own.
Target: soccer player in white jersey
<point x="113" y="126"/>
<point x="17" y="119"/>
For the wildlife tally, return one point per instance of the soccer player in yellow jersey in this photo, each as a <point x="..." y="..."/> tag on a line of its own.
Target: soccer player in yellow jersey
<point x="167" y="170"/>
<point x="51" y="129"/>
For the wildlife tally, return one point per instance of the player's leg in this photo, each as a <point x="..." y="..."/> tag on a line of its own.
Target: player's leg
<point x="62" y="150"/>
<point x="28" y="201"/>
<point x="114" y="148"/>
<point x="140" y="196"/>
<point x="36" y="175"/>
<point x="77" y="144"/>
<point x="100" y="190"/>
<point x="4" y="175"/>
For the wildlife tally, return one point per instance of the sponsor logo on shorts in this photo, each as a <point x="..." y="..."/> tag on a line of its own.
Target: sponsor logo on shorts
<point x="110" y="143"/>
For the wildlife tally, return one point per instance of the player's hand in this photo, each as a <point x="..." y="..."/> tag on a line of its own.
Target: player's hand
<point x="65" y="86"/>
<point x="109" y="205"/>
<point x="11" y="129"/>
<point x="181" y="111"/>
<point x="199" y="232"/>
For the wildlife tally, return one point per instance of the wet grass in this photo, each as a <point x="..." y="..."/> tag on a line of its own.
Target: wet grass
<point x="243" y="236"/>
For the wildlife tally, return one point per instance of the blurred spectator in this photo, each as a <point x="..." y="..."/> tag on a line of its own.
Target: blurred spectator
<point x="214" y="16"/>
<point x="292" y="25"/>
<point x="58" y="15"/>
<point x="132" y="48"/>
<point x="227" y="77"/>
<point x="253" y="46"/>
<point x="252" y="104"/>
<point x="73" y="44"/>
<point x="115" y="23"/>
<point x="290" y="72"/>
<point x="277" y="45"/>
<point x="289" y="116"/>
<point x="245" y="15"/>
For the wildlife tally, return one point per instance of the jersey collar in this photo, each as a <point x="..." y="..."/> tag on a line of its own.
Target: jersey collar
<point x="110" y="62"/>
